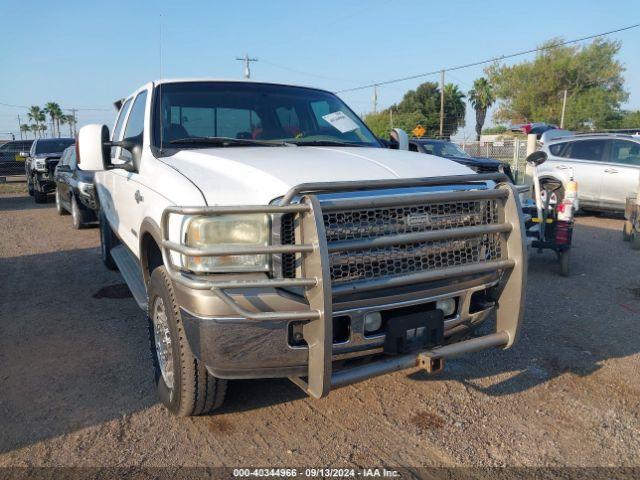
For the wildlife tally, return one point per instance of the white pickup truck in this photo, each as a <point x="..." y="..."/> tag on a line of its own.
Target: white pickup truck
<point x="268" y="233"/>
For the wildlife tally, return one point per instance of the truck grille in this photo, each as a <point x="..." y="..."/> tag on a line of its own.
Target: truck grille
<point x="404" y="258"/>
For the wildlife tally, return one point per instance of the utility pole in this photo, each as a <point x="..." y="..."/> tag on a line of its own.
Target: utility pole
<point x="564" y="106"/>
<point x="441" y="103"/>
<point x="75" y="120"/>
<point x="247" y="60"/>
<point x="375" y="99"/>
<point x="20" y="127"/>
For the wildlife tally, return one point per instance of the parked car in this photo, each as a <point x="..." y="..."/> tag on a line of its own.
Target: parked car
<point x="11" y="160"/>
<point x="606" y="167"/>
<point x="41" y="163"/>
<point x="268" y="233"/>
<point x="75" y="192"/>
<point x="538" y="128"/>
<point x="450" y="150"/>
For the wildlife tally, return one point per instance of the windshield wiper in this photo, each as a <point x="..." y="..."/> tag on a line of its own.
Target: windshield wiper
<point x="328" y="143"/>
<point x="226" y="142"/>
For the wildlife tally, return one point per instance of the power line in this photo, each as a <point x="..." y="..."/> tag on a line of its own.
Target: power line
<point x="490" y="60"/>
<point x="84" y="109"/>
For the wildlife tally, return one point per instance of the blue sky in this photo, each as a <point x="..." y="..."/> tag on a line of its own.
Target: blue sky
<point x="86" y="54"/>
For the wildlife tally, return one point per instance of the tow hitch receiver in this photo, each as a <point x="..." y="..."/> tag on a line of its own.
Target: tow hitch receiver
<point x="430" y="364"/>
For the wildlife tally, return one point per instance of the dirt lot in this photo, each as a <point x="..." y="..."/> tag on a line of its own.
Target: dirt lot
<point x="76" y="386"/>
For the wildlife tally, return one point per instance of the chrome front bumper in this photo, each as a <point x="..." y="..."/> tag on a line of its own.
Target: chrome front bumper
<point x="312" y="367"/>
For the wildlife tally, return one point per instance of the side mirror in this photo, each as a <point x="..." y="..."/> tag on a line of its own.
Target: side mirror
<point x="537" y="158"/>
<point x="401" y="137"/>
<point x="134" y="146"/>
<point x="93" y="148"/>
<point x="23" y="154"/>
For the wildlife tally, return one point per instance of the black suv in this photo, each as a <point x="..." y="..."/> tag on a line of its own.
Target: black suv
<point x="11" y="161"/>
<point x="75" y="191"/>
<point x="445" y="149"/>
<point x="43" y="157"/>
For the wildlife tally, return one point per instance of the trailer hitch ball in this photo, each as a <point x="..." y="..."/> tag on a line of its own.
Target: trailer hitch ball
<point x="430" y="364"/>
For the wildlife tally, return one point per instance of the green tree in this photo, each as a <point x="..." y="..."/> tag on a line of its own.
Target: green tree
<point x="421" y="106"/>
<point x="533" y="90"/>
<point x="481" y="98"/>
<point x="55" y="114"/>
<point x="630" y="119"/>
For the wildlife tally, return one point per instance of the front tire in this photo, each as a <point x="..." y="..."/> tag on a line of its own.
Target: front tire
<point x="77" y="214"/>
<point x="184" y="385"/>
<point x="39" y="197"/>
<point x="59" y="208"/>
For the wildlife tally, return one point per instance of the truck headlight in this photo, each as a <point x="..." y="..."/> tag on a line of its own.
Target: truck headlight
<point x="41" y="165"/>
<point x="228" y="230"/>
<point x="85" y="188"/>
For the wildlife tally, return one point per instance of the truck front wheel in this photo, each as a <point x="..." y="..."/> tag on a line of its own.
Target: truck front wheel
<point x="184" y="385"/>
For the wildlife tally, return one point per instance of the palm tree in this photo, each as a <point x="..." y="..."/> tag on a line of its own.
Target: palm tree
<point x="454" y="109"/>
<point x="481" y="97"/>
<point x="24" y="128"/>
<point x="55" y="113"/>
<point x="43" y="130"/>
<point x="69" y="120"/>
<point x="36" y="115"/>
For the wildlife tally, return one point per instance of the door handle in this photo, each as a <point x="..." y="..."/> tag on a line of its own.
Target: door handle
<point x="138" y="196"/>
<point x="562" y="167"/>
<point x="610" y="170"/>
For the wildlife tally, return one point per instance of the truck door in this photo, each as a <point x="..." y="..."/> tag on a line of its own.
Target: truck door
<point x="128" y="187"/>
<point x="106" y="183"/>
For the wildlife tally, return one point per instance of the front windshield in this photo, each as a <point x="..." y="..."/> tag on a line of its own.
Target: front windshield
<point x="254" y="112"/>
<point x="445" y="149"/>
<point x="53" y="145"/>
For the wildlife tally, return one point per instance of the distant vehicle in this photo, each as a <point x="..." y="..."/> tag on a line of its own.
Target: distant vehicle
<point x="606" y="167"/>
<point x="533" y="127"/>
<point x="41" y="162"/>
<point x="11" y="162"/>
<point x="451" y="151"/>
<point x="554" y="134"/>
<point x="75" y="192"/>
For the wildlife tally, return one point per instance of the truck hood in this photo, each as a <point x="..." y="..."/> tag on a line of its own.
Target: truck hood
<point x="257" y="175"/>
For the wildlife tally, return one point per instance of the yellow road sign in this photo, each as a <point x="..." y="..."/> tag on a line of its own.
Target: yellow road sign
<point x="419" y="131"/>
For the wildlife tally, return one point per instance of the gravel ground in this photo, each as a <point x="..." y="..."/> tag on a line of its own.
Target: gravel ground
<point x="76" y="386"/>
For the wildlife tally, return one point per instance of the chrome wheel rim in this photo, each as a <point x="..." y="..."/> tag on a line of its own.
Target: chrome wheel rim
<point x="74" y="211"/>
<point x="162" y="337"/>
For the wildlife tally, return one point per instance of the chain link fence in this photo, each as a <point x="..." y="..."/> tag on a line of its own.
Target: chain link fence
<point x="513" y="152"/>
<point x="11" y="162"/>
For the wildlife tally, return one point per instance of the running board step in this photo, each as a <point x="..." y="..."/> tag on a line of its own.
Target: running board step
<point x="130" y="271"/>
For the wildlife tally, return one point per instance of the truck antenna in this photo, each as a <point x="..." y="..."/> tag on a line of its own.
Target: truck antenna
<point x="160" y="87"/>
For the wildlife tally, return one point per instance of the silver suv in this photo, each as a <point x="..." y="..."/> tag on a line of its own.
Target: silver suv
<point x="606" y="167"/>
